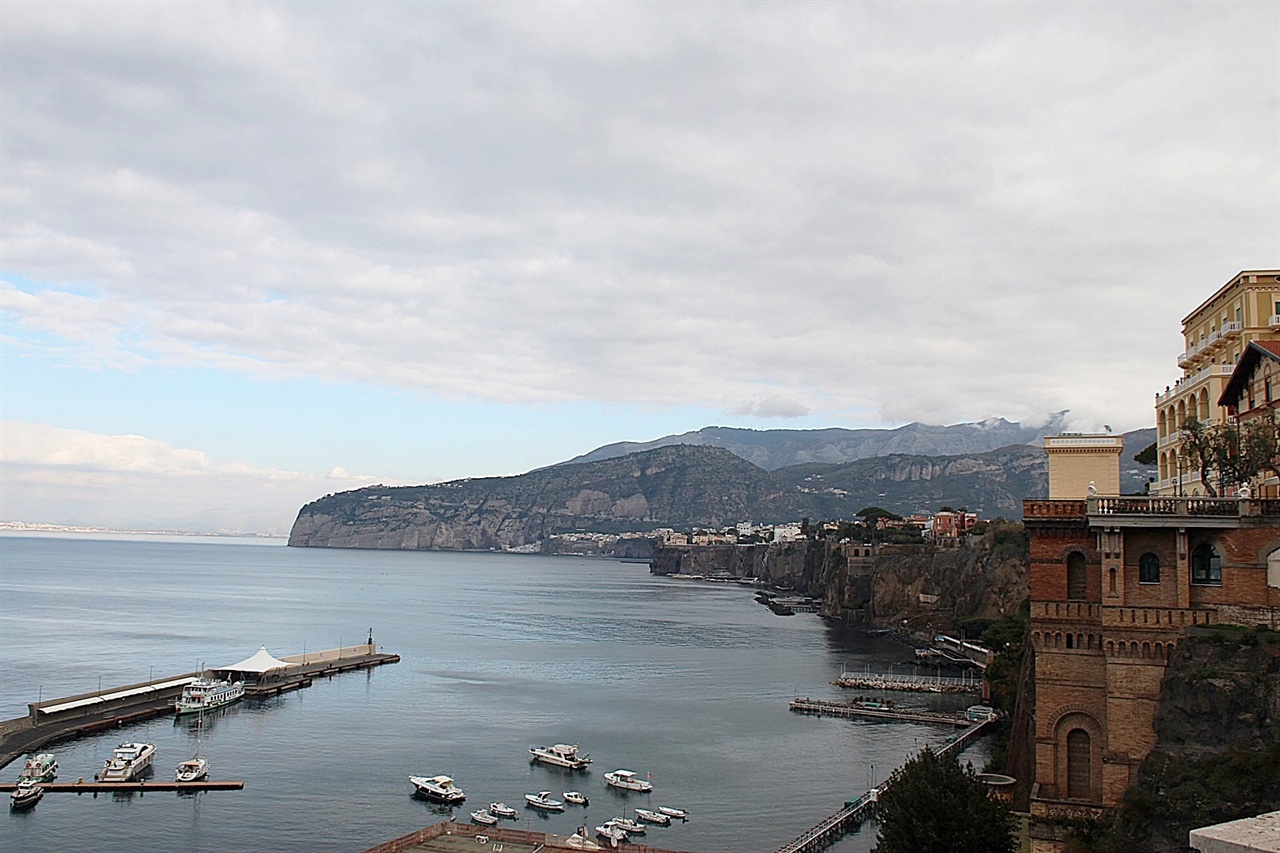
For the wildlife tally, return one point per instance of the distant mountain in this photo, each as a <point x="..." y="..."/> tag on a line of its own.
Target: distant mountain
<point x="771" y="449"/>
<point x="679" y="486"/>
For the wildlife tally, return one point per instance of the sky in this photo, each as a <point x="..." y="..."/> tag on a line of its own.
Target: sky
<point x="254" y="253"/>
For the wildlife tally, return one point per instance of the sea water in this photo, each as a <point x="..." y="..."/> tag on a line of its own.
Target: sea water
<point x="686" y="683"/>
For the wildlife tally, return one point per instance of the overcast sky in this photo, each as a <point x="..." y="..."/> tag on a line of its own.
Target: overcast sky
<point x="257" y="252"/>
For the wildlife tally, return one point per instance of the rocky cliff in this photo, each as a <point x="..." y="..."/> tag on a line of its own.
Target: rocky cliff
<point x="927" y="587"/>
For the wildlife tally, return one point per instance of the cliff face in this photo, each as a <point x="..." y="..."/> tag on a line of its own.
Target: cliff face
<point x="927" y="587"/>
<point x="1217" y="755"/>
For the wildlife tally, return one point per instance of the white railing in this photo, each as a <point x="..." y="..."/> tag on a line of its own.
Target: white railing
<point x="1274" y="321"/>
<point x="1230" y="328"/>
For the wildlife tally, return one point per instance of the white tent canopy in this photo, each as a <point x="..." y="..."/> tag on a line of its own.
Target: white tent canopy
<point x="261" y="661"/>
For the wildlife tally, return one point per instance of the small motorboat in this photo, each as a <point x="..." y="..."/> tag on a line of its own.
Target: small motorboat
<point x="41" y="768"/>
<point x="576" y="798"/>
<point x="503" y="810"/>
<point x="192" y="770"/>
<point x="627" y="825"/>
<point x="653" y="817"/>
<point x="542" y="800"/>
<point x="438" y="788"/>
<point x="26" y="794"/>
<point x="560" y="755"/>
<point x="678" y="814"/>
<point x="612" y="834"/>
<point x="627" y="781"/>
<point x="483" y="816"/>
<point x="580" y="841"/>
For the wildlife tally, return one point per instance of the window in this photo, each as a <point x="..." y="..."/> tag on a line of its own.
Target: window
<point x="1076" y="582"/>
<point x="1148" y="568"/>
<point x="1079" y="759"/>
<point x="1206" y="565"/>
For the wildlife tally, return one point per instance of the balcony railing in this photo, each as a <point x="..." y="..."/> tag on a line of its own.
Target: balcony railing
<point x="1274" y="322"/>
<point x="1226" y="507"/>
<point x="1231" y="328"/>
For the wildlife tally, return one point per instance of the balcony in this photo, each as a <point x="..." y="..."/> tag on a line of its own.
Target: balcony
<point x="1231" y="328"/>
<point x="1274" y="322"/>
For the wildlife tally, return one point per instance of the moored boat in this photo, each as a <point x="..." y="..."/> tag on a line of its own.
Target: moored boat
<point x="678" y="814"/>
<point x="561" y="755"/>
<point x="580" y="841"/>
<point x="205" y="694"/>
<point x="627" y="825"/>
<point x="26" y="794"/>
<point x="192" y="770"/>
<point x="627" y="781"/>
<point x="653" y="817"/>
<point x="542" y="800"/>
<point x="503" y="810"/>
<point x="577" y="798"/>
<point x="438" y="788"/>
<point x="482" y="816"/>
<point x="611" y="833"/>
<point x="39" y="768"/>
<point x="127" y="762"/>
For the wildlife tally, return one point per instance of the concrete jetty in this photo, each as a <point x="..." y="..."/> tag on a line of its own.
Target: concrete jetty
<point x="876" y="711"/>
<point x="53" y="720"/>
<point x="134" y="786"/>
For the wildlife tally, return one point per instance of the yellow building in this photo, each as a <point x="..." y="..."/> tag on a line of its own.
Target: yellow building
<point x="1246" y="308"/>
<point x="1081" y="466"/>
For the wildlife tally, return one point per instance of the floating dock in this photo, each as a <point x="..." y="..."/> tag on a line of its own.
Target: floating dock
<point x="70" y="717"/>
<point x="136" y="786"/>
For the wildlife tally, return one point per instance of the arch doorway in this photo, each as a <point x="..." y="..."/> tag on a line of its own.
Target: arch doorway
<point x="1079" y="767"/>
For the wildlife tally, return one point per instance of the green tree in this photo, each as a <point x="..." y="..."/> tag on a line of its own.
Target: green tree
<point x="871" y="513"/>
<point x="936" y="806"/>
<point x="1202" y="446"/>
<point x="1147" y="455"/>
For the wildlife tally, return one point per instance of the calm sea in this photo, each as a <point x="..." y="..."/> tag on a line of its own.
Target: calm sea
<point x="686" y="681"/>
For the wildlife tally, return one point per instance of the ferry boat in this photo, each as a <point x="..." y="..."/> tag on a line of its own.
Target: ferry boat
<point x="561" y="755"/>
<point x="205" y="694"/>
<point x="438" y="788"/>
<point x="127" y="762"/>
<point x="26" y="794"/>
<point x="627" y="781"/>
<point x="40" y="768"/>
<point x="542" y="800"/>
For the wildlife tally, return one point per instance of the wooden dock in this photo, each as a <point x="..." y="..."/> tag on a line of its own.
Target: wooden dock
<point x="136" y="786"/>
<point x="859" y="710"/>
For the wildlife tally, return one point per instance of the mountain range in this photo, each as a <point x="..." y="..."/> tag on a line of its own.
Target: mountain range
<point x="684" y="485"/>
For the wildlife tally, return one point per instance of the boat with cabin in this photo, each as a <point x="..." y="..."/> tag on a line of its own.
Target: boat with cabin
<point x="39" y="768"/>
<point x="577" y="798"/>
<point x="482" y="816"/>
<point x="627" y="825"/>
<point x="127" y="762"/>
<point x="670" y="811"/>
<point x="192" y="770"/>
<point x="438" y="788"/>
<point x="542" y="800"/>
<point x="560" y="755"/>
<point x="503" y="810"/>
<point x="205" y="694"/>
<point x="611" y="833"/>
<point x="27" y="793"/>
<point x="627" y="781"/>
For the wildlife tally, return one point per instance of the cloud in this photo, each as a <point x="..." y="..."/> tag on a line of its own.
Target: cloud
<point x="67" y="476"/>
<point x="935" y="212"/>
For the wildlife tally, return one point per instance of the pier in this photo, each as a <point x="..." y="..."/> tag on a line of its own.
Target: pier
<point x="908" y="683"/>
<point x="53" y="720"/>
<point x="138" y="786"/>
<point x="878" y="711"/>
<point x="448" y="837"/>
<point x="856" y="812"/>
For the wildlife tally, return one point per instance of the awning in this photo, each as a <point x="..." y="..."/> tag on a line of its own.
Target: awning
<point x="261" y="661"/>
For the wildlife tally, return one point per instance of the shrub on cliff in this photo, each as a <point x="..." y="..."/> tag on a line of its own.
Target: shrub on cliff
<point x="936" y="806"/>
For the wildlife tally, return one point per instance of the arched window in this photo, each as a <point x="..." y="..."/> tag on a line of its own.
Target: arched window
<point x="1148" y="568"/>
<point x="1111" y="586"/>
<point x="1206" y="565"/>
<point x="1273" y="568"/>
<point x="1079" y="769"/>
<point x="1075" y="576"/>
<point x="1070" y="645"/>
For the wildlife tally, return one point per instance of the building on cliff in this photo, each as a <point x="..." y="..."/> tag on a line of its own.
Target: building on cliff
<point x="1216" y="336"/>
<point x="1115" y="584"/>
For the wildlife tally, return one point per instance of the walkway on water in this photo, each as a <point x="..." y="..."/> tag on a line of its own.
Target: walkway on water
<point x="855" y="812"/>
<point x="70" y="717"/>
<point x="855" y="709"/>
<point x="135" y="786"/>
<point x="909" y="683"/>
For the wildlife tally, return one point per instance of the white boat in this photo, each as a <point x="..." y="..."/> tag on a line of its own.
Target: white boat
<point x="612" y="834"/>
<point x="653" y="817"/>
<point x="627" y="781"/>
<point x="580" y="841"/>
<point x="561" y="755"/>
<point x="127" y="762"/>
<point x="438" y="788"/>
<point x="542" y="800"/>
<point x="26" y="794"/>
<point x="192" y="770"/>
<point x="626" y="824"/>
<point x="678" y="814"/>
<point x="39" y="768"/>
<point x="205" y="694"/>
<point x="503" y="810"/>
<point x="578" y="799"/>
<point x="483" y="816"/>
